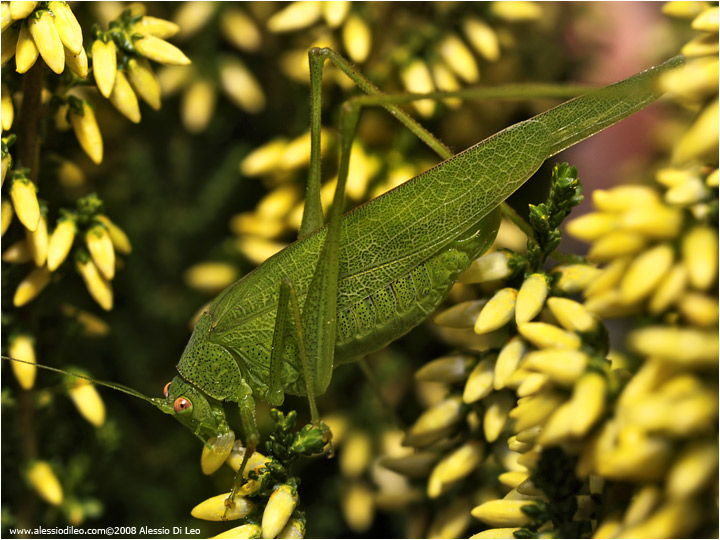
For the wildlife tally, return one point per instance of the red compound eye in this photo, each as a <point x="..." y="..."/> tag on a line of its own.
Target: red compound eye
<point x="182" y="405"/>
<point x="166" y="390"/>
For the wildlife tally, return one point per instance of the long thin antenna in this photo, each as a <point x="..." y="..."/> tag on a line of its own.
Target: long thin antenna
<point x="114" y="386"/>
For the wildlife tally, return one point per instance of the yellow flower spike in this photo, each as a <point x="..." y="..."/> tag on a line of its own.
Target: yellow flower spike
<point x="572" y="315"/>
<point x="124" y="99"/>
<point x="356" y="454"/>
<point x="6" y="108"/>
<point x="498" y="407"/>
<point x="563" y="366"/>
<point x="100" y="246"/>
<point x="625" y="198"/>
<point x="508" y="360"/>
<point x="505" y="532"/>
<point x="47" y="40"/>
<point x="211" y="277"/>
<point x="160" y="51"/>
<point x="26" y="52"/>
<point x="673" y="520"/>
<point x="589" y="227"/>
<point x="445" y="81"/>
<point x="279" y="508"/>
<point x="37" y="242"/>
<point x="6" y="215"/>
<point x="60" y="243"/>
<point x="502" y="513"/>
<point x="489" y="267"/>
<point x="22" y="347"/>
<point x="358" y="506"/>
<point x="482" y="38"/>
<point x="546" y="336"/>
<point x="154" y="26"/>
<point x="88" y="402"/>
<point x="480" y="381"/>
<point x="535" y="410"/>
<point x="198" y="105"/>
<point x="434" y="423"/>
<point x="587" y="403"/>
<point x="454" y="467"/>
<point x="43" y="480"/>
<point x="616" y="244"/>
<point x="249" y="530"/>
<point x="67" y="26"/>
<point x="87" y="132"/>
<point x="416" y="78"/>
<point x="357" y="38"/>
<point x="699" y="309"/>
<point x="5" y="18"/>
<point x="498" y="311"/>
<point x="645" y="273"/>
<point x="213" y="509"/>
<point x="20" y="9"/>
<point x="8" y="44"/>
<point x="700" y="256"/>
<point x="693" y="468"/>
<point x="98" y="287"/>
<point x="531" y="297"/>
<point x="459" y="58"/>
<point x="24" y="199"/>
<point x="120" y="240"/>
<point x="295" y="16"/>
<point x="104" y="56"/>
<point x="294" y="529"/>
<point x="448" y="369"/>
<point x="575" y="277"/>
<point x="241" y="86"/>
<point x="334" y="12"/>
<point x="702" y="137"/>
<point x="78" y="63"/>
<point x="240" y="30"/>
<point x="143" y="80"/>
<point x="17" y="253"/>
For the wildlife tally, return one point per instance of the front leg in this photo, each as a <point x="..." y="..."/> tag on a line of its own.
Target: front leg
<point x="252" y="437"/>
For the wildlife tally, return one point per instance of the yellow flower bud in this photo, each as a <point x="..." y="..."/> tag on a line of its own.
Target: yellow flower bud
<point x="684" y="9"/>
<point x="445" y="81"/>
<point x="78" y="63"/>
<point x="448" y="369"/>
<point x="263" y="159"/>
<point x="702" y="45"/>
<point x="211" y="277"/>
<point x="37" y="242"/>
<point x="531" y="383"/>
<point x="656" y="222"/>
<point x="160" y="51"/>
<point x="357" y="38"/>
<point x="702" y="137"/>
<point x="456" y="54"/>
<point x="616" y="244"/>
<point x="6" y="108"/>
<point x="6" y="214"/>
<point x="358" y="506"/>
<point x="249" y="530"/>
<point x="483" y="38"/>
<point x="100" y="246"/>
<point x="159" y="28"/>
<point x="531" y="297"/>
<point x="124" y="99"/>
<point x="8" y="44"/>
<point x="502" y="513"/>
<point x="587" y="403"/>
<point x="47" y="40"/>
<point x="24" y="199"/>
<point x="87" y="132"/>
<point x="120" y="241"/>
<point x="60" y="243"/>
<point x="674" y="519"/>
<point x="575" y="277"/>
<point x="26" y="53"/>
<point x="67" y="26"/>
<point x="625" y="198"/>
<point x="557" y="428"/>
<point x="22" y="348"/>
<point x="692" y="469"/>
<point x="668" y="290"/>
<point x="498" y="311"/>
<point x="17" y="253"/>
<point x="295" y="16"/>
<point x="416" y="78"/>
<point x="43" y="479"/>
<point x="454" y="467"/>
<point x="20" y="9"/>
<point x="505" y="532"/>
<point x="257" y="250"/>
<point x="92" y="326"/>
<point x="434" y="423"/>
<point x="683" y="346"/>
<point x="5" y="18"/>
<point x="198" y="105"/>
<point x="104" y="56"/>
<point x="700" y="256"/>
<point x="98" y="287"/>
<point x="214" y="508"/>
<point x="279" y="508"/>
<point x="572" y="315"/>
<point x="480" y="381"/>
<point x="356" y="454"/>
<point x="143" y="80"/>
<point x="563" y="366"/>
<point x="294" y="529"/>
<point x="241" y="86"/>
<point x="699" y="309"/>
<point x="192" y="16"/>
<point x="642" y="504"/>
<point x="545" y="336"/>
<point x="240" y="30"/>
<point x="507" y="361"/>
<point x="6" y="162"/>
<point x="498" y="407"/>
<point x="513" y="479"/>
<point x="88" y="402"/>
<point x="590" y="227"/>
<point x="334" y="12"/>
<point x="534" y="410"/>
<point x="713" y="179"/>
